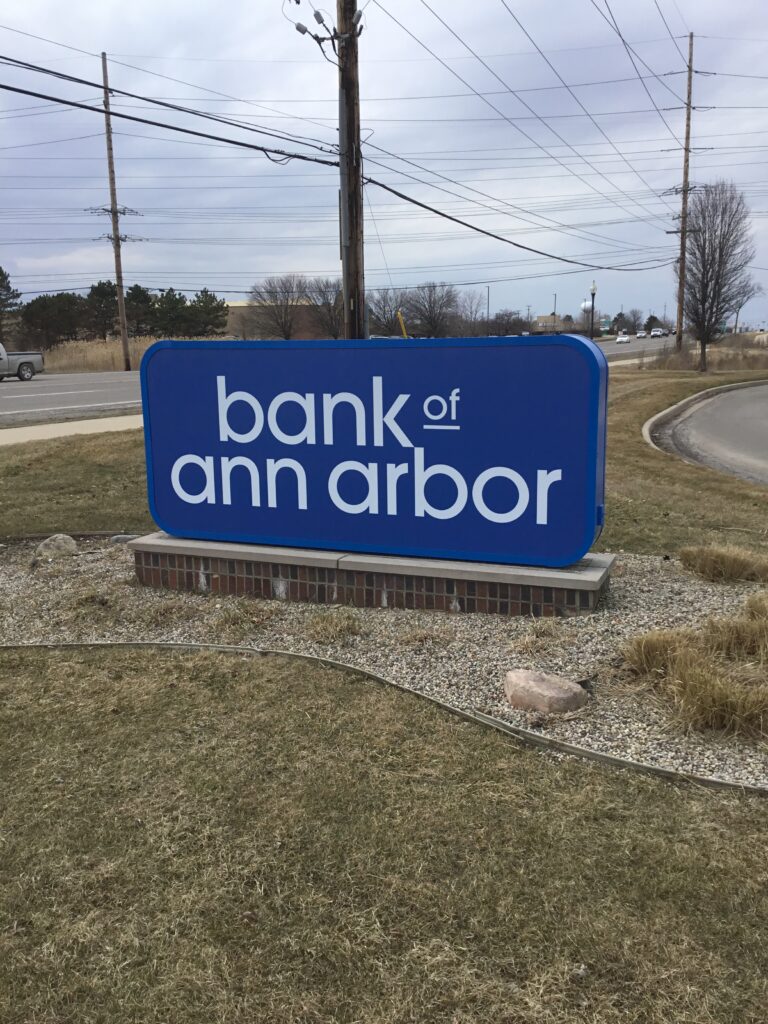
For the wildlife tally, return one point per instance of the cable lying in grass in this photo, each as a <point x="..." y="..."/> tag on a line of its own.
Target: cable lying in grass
<point x="716" y="677"/>
<point x="721" y="564"/>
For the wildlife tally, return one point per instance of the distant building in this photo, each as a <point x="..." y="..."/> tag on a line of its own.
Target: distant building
<point x="240" y="322"/>
<point x="551" y="323"/>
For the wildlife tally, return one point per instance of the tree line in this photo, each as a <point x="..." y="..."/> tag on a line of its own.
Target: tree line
<point x="290" y="306"/>
<point x="48" y="320"/>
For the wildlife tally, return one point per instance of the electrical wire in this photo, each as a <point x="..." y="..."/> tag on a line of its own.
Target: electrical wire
<point x="560" y="78"/>
<point x="493" y="106"/>
<point x="632" y="52"/>
<point x="267" y="151"/>
<point x="166" y="105"/>
<point x="491" y="234"/>
<point x="615" y="26"/>
<point x="669" y="33"/>
<point x="297" y="156"/>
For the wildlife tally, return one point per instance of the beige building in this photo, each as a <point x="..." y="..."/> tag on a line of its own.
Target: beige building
<point x="549" y="324"/>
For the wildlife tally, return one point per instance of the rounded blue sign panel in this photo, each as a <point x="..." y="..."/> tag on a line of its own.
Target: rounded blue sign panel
<point x="480" y="449"/>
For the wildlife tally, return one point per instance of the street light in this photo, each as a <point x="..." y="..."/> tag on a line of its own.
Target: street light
<point x="592" y="292"/>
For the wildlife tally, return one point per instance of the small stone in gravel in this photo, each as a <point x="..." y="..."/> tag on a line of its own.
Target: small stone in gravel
<point x="60" y="545"/>
<point x="542" y="691"/>
<point x="123" y="538"/>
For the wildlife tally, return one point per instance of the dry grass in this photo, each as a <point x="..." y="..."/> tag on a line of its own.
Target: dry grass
<point x="240" y="618"/>
<point x="201" y="839"/>
<point x="96" y="356"/>
<point x="539" y="636"/>
<point x="419" y="637"/>
<point x="716" y="677"/>
<point x="741" y="352"/>
<point x="334" y="625"/>
<point x="757" y="606"/>
<point x="728" y="563"/>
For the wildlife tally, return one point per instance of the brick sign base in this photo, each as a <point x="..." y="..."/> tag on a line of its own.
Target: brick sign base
<point x="369" y="581"/>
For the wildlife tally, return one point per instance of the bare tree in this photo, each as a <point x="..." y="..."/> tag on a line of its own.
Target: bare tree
<point x="326" y="303"/>
<point x="507" y="321"/>
<point x="274" y="304"/>
<point x="433" y="307"/>
<point x="720" y="250"/>
<point x="633" y="318"/>
<point x="471" y="320"/>
<point x="749" y="290"/>
<point x="383" y="306"/>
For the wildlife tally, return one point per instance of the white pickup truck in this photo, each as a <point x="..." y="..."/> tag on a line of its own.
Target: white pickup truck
<point x="23" y="365"/>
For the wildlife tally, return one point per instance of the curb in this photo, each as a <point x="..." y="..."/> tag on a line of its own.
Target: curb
<point x="661" y="419"/>
<point x="524" y="736"/>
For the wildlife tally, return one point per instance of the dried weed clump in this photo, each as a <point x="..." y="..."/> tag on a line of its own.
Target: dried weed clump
<point x="716" y="677"/>
<point x="334" y="625"/>
<point x="727" y="563"/>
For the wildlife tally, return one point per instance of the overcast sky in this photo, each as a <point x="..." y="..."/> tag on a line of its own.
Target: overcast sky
<point x="522" y="160"/>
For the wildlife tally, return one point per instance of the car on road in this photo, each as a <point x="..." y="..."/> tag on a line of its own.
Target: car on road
<point x="23" y="365"/>
<point x="641" y="334"/>
<point x="657" y="332"/>
<point x="623" y="339"/>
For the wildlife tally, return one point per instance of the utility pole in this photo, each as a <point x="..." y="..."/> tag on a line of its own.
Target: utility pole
<point x="684" y="205"/>
<point x="115" y="220"/>
<point x="488" y="310"/>
<point x="350" y="167"/>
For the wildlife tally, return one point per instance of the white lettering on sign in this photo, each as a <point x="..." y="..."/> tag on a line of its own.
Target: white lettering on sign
<point x="403" y="487"/>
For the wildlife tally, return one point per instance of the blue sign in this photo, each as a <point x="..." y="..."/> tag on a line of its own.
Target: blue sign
<point x="488" y="450"/>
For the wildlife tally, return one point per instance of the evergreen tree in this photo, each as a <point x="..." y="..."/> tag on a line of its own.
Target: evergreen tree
<point x="102" y="308"/>
<point x="207" y="314"/>
<point x="9" y="301"/>
<point x="171" y="314"/>
<point x="50" y="319"/>
<point x="139" y="311"/>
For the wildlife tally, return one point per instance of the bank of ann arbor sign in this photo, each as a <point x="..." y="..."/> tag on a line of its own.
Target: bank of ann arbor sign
<point x="480" y="449"/>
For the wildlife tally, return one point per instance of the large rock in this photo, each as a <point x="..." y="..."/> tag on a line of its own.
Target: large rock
<point x="542" y="691"/>
<point x="60" y="545"/>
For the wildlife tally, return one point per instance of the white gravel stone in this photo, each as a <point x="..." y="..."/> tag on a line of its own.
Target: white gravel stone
<point x="460" y="659"/>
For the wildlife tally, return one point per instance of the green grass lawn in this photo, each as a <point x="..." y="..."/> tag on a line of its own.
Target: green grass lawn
<point x="214" y="838"/>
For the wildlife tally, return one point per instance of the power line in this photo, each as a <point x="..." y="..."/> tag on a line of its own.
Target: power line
<point x="51" y="142"/>
<point x="633" y="52"/>
<point x="615" y="25"/>
<point x="269" y="152"/>
<point x="477" y="191"/>
<point x="669" y="33"/>
<point x="289" y="136"/>
<point x="493" y="106"/>
<point x="490" y="234"/>
<point x="560" y="78"/>
<point x="293" y="156"/>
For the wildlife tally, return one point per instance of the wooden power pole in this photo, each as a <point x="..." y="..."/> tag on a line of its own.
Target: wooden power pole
<point x="684" y="204"/>
<point x="115" y="221"/>
<point x="350" y="167"/>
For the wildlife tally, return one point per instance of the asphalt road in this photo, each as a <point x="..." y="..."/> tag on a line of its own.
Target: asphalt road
<point x="55" y="397"/>
<point x="728" y="432"/>
<point x="65" y="396"/>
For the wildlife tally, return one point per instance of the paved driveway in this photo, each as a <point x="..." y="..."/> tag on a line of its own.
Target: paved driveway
<point x="728" y="432"/>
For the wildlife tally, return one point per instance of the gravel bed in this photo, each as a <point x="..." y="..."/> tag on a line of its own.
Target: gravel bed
<point x="460" y="659"/>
